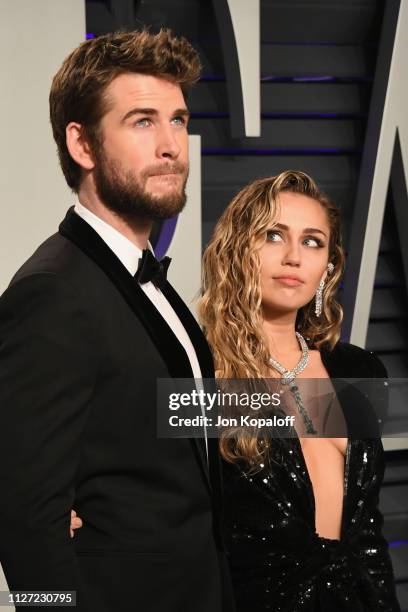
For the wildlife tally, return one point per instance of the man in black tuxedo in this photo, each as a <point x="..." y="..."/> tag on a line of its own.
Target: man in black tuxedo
<point x="87" y="326"/>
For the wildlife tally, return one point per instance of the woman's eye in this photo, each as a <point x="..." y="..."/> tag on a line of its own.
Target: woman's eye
<point x="273" y="236"/>
<point x="313" y="242"/>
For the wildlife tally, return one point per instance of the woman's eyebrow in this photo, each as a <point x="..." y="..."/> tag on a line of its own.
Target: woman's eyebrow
<point x="307" y="230"/>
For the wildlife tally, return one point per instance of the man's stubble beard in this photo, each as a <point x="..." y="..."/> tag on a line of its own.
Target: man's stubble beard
<point x="124" y="193"/>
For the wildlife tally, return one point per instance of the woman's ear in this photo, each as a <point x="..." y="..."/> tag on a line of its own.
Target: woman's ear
<point x="328" y="272"/>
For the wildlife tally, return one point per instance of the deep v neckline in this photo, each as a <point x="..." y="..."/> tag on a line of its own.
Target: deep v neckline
<point x="324" y="356"/>
<point x="311" y="493"/>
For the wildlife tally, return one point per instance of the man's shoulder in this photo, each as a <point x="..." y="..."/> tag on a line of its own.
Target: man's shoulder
<point x="57" y="270"/>
<point x="56" y="255"/>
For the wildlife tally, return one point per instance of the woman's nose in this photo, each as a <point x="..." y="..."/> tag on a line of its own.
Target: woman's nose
<point x="292" y="254"/>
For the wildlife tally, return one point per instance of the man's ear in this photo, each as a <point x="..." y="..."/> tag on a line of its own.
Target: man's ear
<point x="78" y="147"/>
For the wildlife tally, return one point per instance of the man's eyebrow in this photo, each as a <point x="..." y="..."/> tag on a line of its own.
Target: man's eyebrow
<point x="139" y="111"/>
<point x="307" y="230"/>
<point x="153" y="112"/>
<point x="184" y="112"/>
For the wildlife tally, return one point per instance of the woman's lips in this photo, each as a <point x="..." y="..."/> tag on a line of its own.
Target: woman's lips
<point x="289" y="282"/>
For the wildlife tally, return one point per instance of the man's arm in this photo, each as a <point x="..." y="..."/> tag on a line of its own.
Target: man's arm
<point x="47" y="375"/>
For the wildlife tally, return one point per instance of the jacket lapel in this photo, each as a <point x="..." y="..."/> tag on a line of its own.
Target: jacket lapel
<point x="193" y="329"/>
<point x="207" y="371"/>
<point x="78" y="231"/>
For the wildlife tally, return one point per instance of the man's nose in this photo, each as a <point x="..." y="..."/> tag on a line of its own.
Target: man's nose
<point x="167" y="144"/>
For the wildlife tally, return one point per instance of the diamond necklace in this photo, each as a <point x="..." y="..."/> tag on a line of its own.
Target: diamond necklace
<point x="288" y="378"/>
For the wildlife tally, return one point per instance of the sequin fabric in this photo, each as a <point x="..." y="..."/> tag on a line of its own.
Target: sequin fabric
<point x="278" y="561"/>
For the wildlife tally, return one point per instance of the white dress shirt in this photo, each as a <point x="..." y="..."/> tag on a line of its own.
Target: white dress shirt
<point x="129" y="254"/>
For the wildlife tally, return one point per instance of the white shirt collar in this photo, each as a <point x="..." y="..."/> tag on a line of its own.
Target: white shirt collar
<point x="128" y="253"/>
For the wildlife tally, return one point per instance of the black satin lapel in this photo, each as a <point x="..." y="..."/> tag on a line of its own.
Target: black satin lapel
<point x="207" y="371"/>
<point x="356" y="411"/>
<point x="352" y="394"/>
<point x="81" y="233"/>
<point x="332" y="362"/>
<point x="85" y="238"/>
<point x="193" y="329"/>
<point x="335" y="369"/>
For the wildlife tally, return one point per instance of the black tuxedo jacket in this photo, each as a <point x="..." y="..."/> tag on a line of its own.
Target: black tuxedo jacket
<point x="81" y="348"/>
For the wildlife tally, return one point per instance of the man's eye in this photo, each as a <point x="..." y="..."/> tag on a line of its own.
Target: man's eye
<point x="179" y="120"/>
<point x="143" y="122"/>
<point x="273" y="236"/>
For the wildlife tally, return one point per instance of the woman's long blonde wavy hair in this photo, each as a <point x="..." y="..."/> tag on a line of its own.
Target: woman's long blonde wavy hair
<point x="230" y="305"/>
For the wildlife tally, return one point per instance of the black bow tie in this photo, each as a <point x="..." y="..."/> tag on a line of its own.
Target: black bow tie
<point x="150" y="269"/>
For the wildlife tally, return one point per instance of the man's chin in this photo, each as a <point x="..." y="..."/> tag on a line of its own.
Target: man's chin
<point x="165" y="192"/>
<point x="166" y="206"/>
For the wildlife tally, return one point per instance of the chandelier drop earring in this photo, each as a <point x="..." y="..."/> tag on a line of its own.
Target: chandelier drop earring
<point x="319" y="292"/>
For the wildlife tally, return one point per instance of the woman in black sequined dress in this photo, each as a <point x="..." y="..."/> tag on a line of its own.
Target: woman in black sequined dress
<point x="303" y="529"/>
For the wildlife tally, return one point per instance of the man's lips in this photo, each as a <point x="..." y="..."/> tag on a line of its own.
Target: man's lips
<point x="290" y="281"/>
<point x="166" y="177"/>
<point x="167" y="174"/>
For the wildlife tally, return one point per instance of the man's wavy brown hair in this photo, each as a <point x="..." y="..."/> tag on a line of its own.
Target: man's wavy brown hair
<point x="230" y="308"/>
<point x="78" y="88"/>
